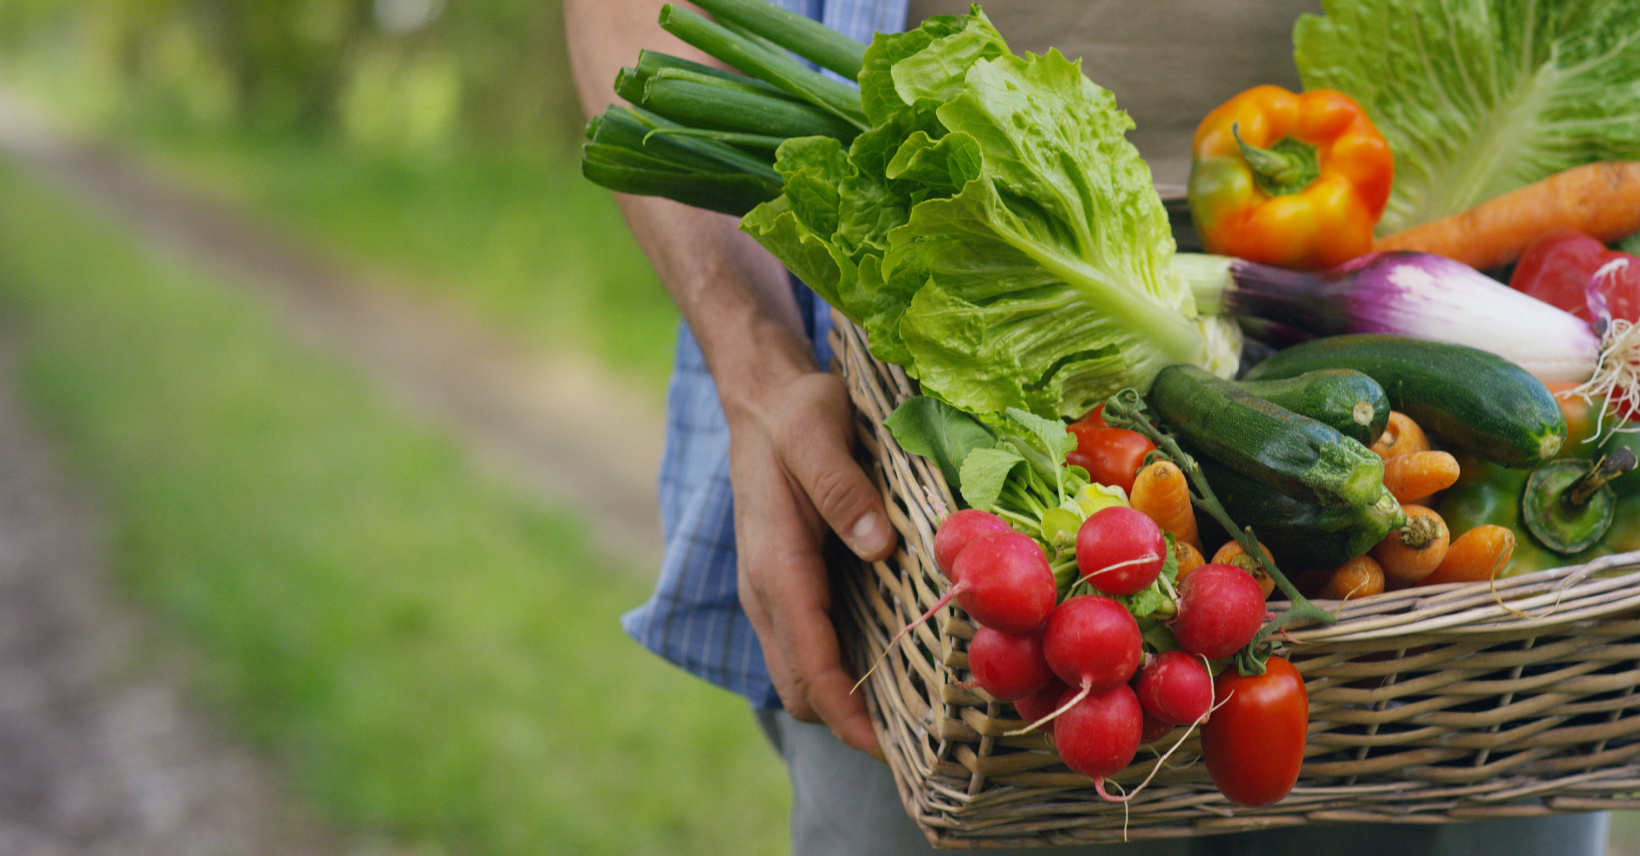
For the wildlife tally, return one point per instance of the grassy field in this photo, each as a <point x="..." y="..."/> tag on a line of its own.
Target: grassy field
<point x="524" y="244"/>
<point x="427" y="654"/>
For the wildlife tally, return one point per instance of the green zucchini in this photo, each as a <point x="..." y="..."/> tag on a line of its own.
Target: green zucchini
<point x="1295" y="455"/>
<point x="1303" y="536"/>
<point x="1343" y="398"/>
<point x="1474" y="400"/>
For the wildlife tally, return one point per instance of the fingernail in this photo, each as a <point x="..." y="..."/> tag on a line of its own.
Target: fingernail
<point x="869" y="535"/>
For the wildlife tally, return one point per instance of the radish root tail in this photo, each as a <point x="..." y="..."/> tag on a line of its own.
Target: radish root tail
<point x="959" y="587"/>
<point x="1148" y="557"/>
<point x="1616" y="375"/>
<point x="1156" y="768"/>
<point x="1086" y="689"/>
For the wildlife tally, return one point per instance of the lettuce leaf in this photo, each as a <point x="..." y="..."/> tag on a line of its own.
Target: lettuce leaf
<point x="994" y="231"/>
<point x="937" y="431"/>
<point x="1480" y="97"/>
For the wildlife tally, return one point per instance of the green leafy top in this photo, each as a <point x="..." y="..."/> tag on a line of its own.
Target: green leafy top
<point x="1481" y="97"/>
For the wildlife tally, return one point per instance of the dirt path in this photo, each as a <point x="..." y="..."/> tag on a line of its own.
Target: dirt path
<point x="103" y="752"/>
<point x="537" y="423"/>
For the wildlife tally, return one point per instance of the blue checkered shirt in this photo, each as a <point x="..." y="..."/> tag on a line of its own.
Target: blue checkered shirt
<point x="694" y="617"/>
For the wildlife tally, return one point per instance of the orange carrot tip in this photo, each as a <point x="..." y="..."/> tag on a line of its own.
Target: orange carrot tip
<point x="1361" y="576"/>
<point x="1162" y="493"/>
<point x="1233" y="554"/>
<point x="1475" y="556"/>
<point x="1412" y="476"/>
<point x="1401" y="435"/>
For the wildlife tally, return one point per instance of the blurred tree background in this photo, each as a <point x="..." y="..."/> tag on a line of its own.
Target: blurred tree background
<point x="436" y="140"/>
<point x="421" y="75"/>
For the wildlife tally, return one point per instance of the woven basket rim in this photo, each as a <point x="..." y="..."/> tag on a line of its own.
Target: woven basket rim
<point x="1553" y="597"/>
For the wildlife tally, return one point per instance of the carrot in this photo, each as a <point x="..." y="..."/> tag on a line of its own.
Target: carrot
<point x="1601" y="199"/>
<point x="1188" y="557"/>
<point x="1232" y="554"/>
<point x="1411" y="476"/>
<point x="1359" y="577"/>
<point x="1477" y="555"/>
<point x="1161" y="492"/>
<point x="1412" y="552"/>
<point x="1401" y="435"/>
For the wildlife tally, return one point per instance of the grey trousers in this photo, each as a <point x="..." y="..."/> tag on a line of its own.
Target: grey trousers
<point x="844" y="804"/>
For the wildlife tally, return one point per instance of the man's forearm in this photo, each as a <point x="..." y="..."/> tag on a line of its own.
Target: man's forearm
<point x="732" y="293"/>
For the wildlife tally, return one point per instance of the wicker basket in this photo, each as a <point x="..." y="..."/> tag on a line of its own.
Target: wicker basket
<point x="1426" y="705"/>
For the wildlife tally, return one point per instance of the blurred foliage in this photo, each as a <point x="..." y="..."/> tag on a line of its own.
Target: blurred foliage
<point x="428" y="138"/>
<point x="413" y="74"/>
<point x="429" y="656"/>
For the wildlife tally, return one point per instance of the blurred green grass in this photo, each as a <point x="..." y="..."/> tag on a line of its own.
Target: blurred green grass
<point x="427" y="654"/>
<point x="520" y="242"/>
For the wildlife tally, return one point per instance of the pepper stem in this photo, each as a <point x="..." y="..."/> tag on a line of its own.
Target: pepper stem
<point x="1578" y="493"/>
<point x="1288" y="166"/>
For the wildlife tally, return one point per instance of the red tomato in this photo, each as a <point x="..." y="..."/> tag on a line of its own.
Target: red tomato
<point x="1095" y="417"/>
<point x="1558" y="267"/>
<point x="1112" y="456"/>
<point x="1253" y="742"/>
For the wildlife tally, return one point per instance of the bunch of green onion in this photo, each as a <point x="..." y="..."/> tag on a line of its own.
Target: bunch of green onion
<point x="706" y="137"/>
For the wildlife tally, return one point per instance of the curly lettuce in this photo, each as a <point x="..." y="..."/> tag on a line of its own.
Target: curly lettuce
<point x="1480" y="97"/>
<point x="994" y="231"/>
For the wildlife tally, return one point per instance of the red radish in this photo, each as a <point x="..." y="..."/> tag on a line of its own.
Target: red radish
<point x="1154" y="729"/>
<point x="1006" y="665"/>
<point x="1038" y="705"/>
<point x="1221" y="609"/>
<point x="1575" y="272"/>
<point x="1120" y="550"/>
<point x="958" y="530"/>
<point x="1175" y="687"/>
<point x="1092" y="642"/>
<point x="1004" y="582"/>
<point x="1099" y="735"/>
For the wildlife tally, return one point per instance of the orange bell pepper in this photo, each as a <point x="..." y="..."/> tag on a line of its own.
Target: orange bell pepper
<point x="1297" y="180"/>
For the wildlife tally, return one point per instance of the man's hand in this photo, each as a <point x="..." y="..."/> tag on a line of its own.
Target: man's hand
<point x="794" y="479"/>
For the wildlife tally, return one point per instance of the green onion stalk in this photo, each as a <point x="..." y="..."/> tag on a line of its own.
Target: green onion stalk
<point x="706" y="136"/>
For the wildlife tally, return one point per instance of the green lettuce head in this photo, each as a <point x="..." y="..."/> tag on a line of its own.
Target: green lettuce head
<point x="994" y="231"/>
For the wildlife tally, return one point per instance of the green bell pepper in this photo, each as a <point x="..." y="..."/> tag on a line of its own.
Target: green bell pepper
<point x="1491" y="493"/>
